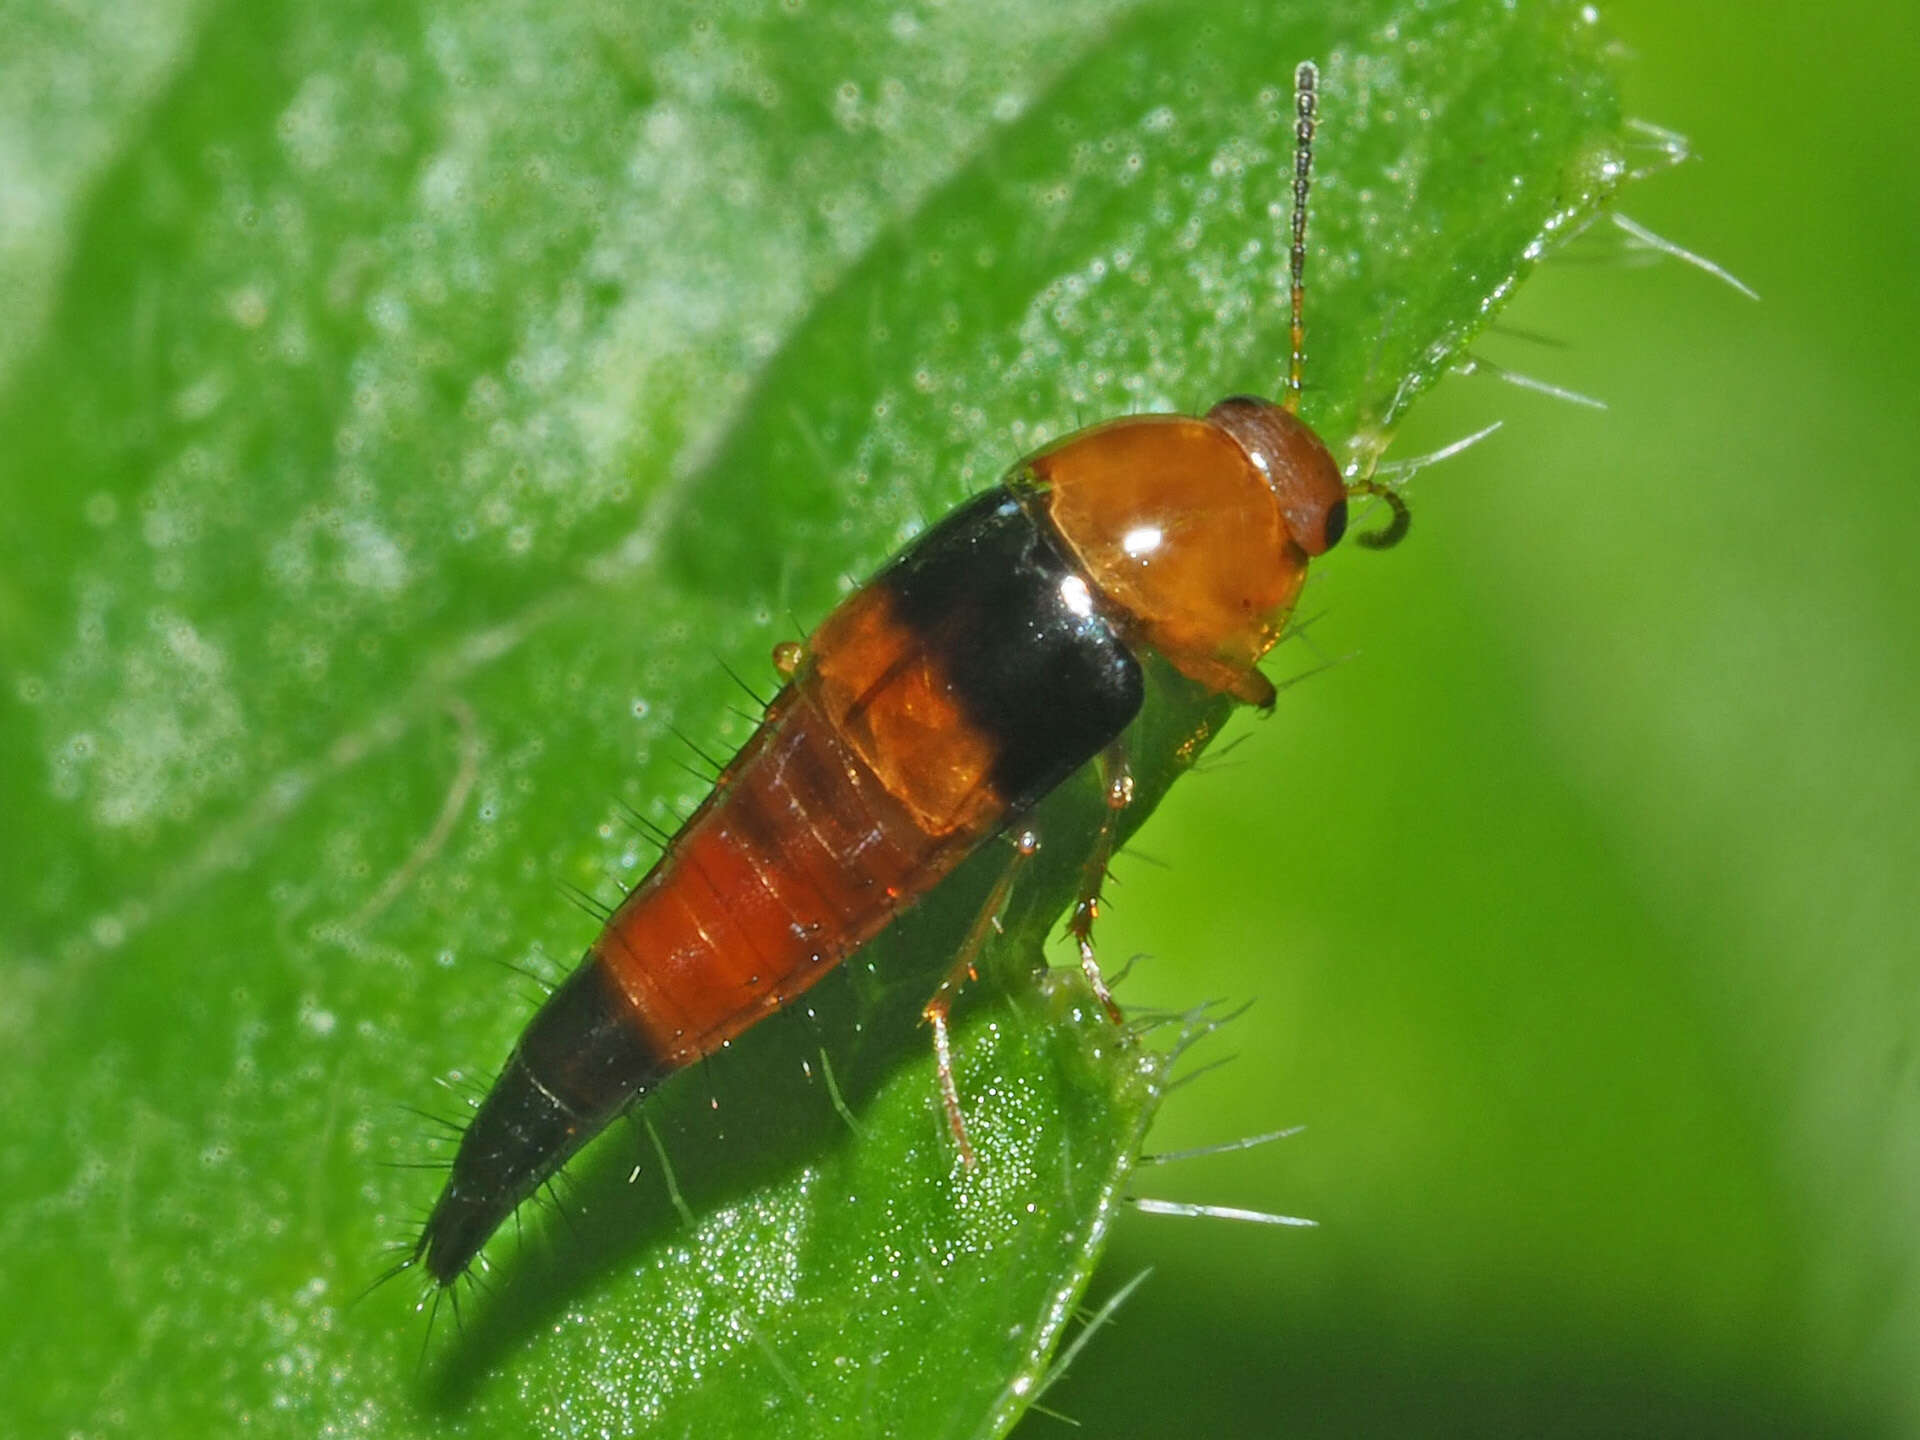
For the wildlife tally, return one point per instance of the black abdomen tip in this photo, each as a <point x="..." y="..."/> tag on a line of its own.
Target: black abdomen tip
<point x="579" y="1062"/>
<point x="520" y="1135"/>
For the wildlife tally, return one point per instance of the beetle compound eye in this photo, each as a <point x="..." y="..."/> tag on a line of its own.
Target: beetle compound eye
<point x="1336" y="524"/>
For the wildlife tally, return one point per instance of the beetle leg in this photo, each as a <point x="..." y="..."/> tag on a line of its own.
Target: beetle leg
<point x="1117" y="780"/>
<point x="987" y="923"/>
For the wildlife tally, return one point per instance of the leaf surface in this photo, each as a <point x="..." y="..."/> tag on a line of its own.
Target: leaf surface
<point x="434" y="402"/>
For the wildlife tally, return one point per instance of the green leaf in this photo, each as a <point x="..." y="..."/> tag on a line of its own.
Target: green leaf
<point x="428" y="403"/>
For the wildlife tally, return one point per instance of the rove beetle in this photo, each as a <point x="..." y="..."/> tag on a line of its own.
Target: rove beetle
<point x="929" y="712"/>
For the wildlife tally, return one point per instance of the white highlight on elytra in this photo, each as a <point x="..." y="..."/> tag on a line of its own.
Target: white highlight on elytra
<point x="1142" y="541"/>
<point x="1076" y="597"/>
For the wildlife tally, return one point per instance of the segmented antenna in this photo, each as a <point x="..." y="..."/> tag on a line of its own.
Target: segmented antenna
<point x="1306" y="97"/>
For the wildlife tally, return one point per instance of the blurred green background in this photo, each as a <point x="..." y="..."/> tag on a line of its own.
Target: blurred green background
<point x="1586" y="949"/>
<point x="1577" y="903"/>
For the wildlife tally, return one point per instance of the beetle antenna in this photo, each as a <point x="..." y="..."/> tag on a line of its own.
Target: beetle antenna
<point x="1306" y="102"/>
<point x="1395" y="530"/>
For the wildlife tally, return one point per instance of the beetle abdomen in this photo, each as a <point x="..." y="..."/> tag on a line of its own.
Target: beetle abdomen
<point x="936" y="703"/>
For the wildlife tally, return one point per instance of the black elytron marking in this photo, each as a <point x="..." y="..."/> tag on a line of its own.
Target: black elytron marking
<point x="1030" y="661"/>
